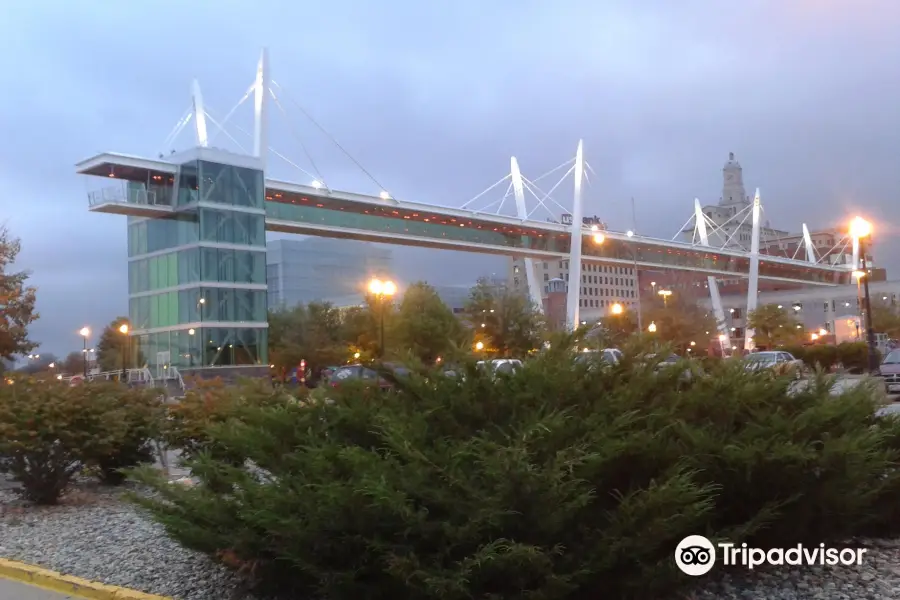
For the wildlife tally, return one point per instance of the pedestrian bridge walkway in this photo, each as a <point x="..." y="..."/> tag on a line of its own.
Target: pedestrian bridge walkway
<point x="146" y="188"/>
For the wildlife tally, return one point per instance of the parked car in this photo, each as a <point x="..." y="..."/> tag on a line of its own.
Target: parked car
<point x="890" y="372"/>
<point x="365" y="374"/>
<point x="609" y="356"/>
<point x="665" y="362"/>
<point x="501" y="365"/>
<point x="779" y="361"/>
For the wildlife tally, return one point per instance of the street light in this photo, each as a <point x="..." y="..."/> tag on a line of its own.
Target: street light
<point x="479" y="346"/>
<point x="617" y="309"/>
<point x="861" y="229"/>
<point x="652" y="327"/>
<point x="85" y="333"/>
<point x="665" y="295"/>
<point x="381" y="290"/>
<point x="123" y="329"/>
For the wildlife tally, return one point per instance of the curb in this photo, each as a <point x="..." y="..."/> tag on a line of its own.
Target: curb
<point x="67" y="584"/>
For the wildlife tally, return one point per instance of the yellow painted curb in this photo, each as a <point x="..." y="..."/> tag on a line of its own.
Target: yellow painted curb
<point x="66" y="584"/>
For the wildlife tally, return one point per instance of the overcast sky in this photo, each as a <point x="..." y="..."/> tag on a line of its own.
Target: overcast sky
<point x="432" y="98"/>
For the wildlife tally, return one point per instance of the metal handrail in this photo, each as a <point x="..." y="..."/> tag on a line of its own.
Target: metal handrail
<point x="122" y="194"/>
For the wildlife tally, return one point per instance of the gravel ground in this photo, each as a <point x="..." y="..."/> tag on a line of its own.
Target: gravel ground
<point x="96" y="536"/>
<point x="878" y="578"/>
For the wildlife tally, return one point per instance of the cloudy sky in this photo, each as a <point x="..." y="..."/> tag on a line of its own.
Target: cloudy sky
<point x="433" y="98"/>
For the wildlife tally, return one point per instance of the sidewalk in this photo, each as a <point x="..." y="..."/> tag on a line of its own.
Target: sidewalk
<point x="13" y="590"/>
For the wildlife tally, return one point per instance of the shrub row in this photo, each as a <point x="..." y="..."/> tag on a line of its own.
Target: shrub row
<point x="852" y="356"/>
<point x="564" y="481"/>
<point x="51" y="432"/>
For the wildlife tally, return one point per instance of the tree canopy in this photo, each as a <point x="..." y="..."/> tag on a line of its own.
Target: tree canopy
<point x="886" y="319"/>
<point x="503" y="320"/>
<point x="773" y="326"/>
<point x="17" y="301"/>
<point x="678" y="322"/>
<point x="426" y="326"/>
<point x="114" y="348"/>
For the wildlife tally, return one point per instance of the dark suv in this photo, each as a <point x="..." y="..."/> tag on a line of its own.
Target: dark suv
<point x="890" y="372"/>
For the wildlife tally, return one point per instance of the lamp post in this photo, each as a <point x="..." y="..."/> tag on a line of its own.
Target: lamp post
<point x="862" y="230"/>
<point x="191" y="333"/>
<point x="85" y="333"/>
<point x="123" y="329"/>
<point x="665" y="296"/>
<point x="382" y="290"/>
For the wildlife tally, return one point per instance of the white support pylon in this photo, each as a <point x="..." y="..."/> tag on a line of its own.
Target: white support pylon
<point x="573" y="295"/>
<point x="807" y="240"/>
<point x="260" y="108"/>
<point x="199" y="115"/>
<point x="714" y="296"/>
<point x="753" y="286"/>
<point x="534" y="287"/>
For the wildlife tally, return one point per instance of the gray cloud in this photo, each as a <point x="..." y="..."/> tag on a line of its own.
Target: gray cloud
<point x="433" y="98"/>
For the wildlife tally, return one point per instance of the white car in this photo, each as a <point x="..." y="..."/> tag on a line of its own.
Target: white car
<point x="501" y="365"/>
<point x="777" y="360"/>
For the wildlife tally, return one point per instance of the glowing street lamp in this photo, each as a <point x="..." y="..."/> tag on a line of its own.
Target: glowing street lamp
<point x="382" y="290"/>
<point x="479" y="346"/>
<point x="652" y="327"/>
<point x="665" y="295"/>
<point x="814" y="336"/>
<point x="617" y="309"/>
<point x="860" y="230"/>
<point x="123" y="329"/>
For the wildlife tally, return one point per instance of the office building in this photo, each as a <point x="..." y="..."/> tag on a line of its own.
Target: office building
<point x="322" y="269"/>
<point x="602" y="286"/>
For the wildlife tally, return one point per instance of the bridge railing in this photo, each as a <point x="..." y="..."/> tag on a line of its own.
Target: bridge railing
<point x="123" y="194"/>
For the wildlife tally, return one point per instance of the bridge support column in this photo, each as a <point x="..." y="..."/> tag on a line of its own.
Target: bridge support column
<point x="534" y="286"/>
<point x="260" y="108"/>
<point x="753" y="286"/>
<point x="573" y="295"/>
<point x="199" y="115"/>
<point x="807" y="241"/>
<point x="714" y="296"/>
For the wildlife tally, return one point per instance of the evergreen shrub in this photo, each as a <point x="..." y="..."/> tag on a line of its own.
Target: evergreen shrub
<point x="566" y="480"/>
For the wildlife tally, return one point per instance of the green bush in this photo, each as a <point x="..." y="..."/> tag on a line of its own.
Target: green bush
<point x="135" y="416"/>
<point x="851" y="356"/>
<point x="50" y="431"/>
<point x="564" y="481"/>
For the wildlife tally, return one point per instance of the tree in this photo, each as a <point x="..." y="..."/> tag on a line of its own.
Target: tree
<point x="114" y="348"/>
<point x="773" y="326"/>
<point x="311" y="332"/>
<point x="678" y="322"/>
<point x="886" y="319"/>
<point x="73" y="363"/>
<point x="16" y="301"/>
<point x="425" y="325"/>
<point x="504" y="321"/>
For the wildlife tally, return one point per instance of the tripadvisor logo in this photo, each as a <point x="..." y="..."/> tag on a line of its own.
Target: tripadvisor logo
<point x="695" y="555"/>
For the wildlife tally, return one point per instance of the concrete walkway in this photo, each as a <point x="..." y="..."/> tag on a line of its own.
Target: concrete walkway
<point x="13" y="590"/>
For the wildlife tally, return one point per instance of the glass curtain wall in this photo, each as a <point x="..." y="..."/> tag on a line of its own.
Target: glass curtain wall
<point x="185" y="252"/>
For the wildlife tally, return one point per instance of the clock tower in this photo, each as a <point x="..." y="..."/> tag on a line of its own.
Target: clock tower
<point x="733" y="183"/>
